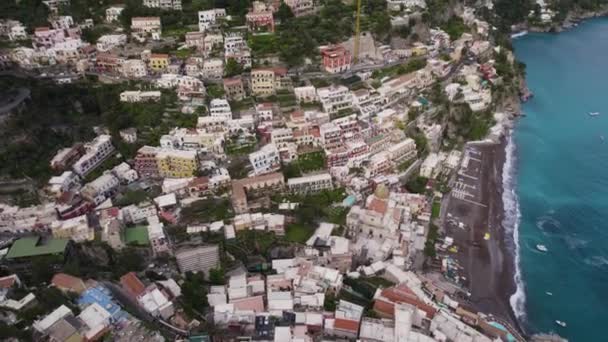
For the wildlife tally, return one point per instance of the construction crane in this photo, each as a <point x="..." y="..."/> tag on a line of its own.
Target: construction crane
<point x="357" y="32"/>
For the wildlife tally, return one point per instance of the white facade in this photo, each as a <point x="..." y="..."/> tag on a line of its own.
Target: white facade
<point x="134" y="68"/>
<point x="175" y="5"/>
<point x="220" y="108"/>
<point x="97" y="151"/>
<point x="335" y="98"/>
<point x="109" y="41"/>
<point x="137" y="213"/>
<point x="101" y="188"/>
<point x="309" y="184"/>
<point x="112" y="13"/>
<point x="139" y="96"/>
<point x="305" y="94"/>
<point x="208" y="18"/>
<point x="403" y="150"/>
<point x="213" y="69"/>
<point x="265" y="160"/>
<point x="146" y="24"/>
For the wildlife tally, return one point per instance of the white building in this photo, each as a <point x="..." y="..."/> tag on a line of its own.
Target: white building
<point x="97" y="151"/>
<point x="76" y="229"/>
<point x="156" y="234"/>
<point x="134" y="68"/>
<point x="305" y="94"/>
<point x="402" y="151"/>
<point x="175" y="5"/>
<point x="220" y="108"/>
<point x="156" y="303"/>
<point x="146" y="24"/>
<point x="335" y="98"/>
<point x="431" y="166"/>
<point x="110" y="41"/>
<point x="209" y="18"/>
<point x="112" y="13"/>
<point x="308" y="184"/>
<point x="102" y="188"/>
<point x="139" y="96"/>
<point x="137" y="213"/>
<point x="265" y="160"/>
<point x="67" y="181"/>
<point x="213" y="69"/>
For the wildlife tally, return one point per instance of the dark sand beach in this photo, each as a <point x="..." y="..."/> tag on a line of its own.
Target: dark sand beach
<point x="487" y="265"/>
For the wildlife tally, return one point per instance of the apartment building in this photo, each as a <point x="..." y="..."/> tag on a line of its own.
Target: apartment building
<point x="336" y="59"/>
<point x="220" y="108"/>
<point x="97" y="151"/>
<point x="176" y="163"/>
<point x="213" y="69"/>
<point x="156" y="234"/>
<point x="305" y="94"/>
<point x="113" y="12"/>
<point x="109" y="62"/>
<point x="175" y="5"/>
<point x="310" y="184"/>
<point x="207" y="19"/>
<point x="402" y="151"/>
<point x="140" y="96"/>
<point x="330" y="135"/>
<point x="301" y="7"/>
<point x="198" y="259"/>
<point x="233" y="88"/>
<point x="110" y="41"/>
<point x="159" y="61"/>
<point x="100" y="189"/>
<point x="145" y="162"/>
<point x="335" y="98"/>
<point x="146" y="24"/>
<point x="262" y="82"/>
<point x="254" y="186"/>
<point x="76" y="229"/>
<point x="260" y="18"/>
<point x="195" y="39"/>
<point x="134" y="68"/>
<point x="265" y="160"/>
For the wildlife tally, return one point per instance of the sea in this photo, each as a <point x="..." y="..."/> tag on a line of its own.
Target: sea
<point x="556" y="184"/>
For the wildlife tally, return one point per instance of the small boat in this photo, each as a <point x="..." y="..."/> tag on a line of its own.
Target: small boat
<point x="594" y="113"/>
<point x="542" y="248"/>
<point x="549" y="293"/>
<point x="560" y="323"/>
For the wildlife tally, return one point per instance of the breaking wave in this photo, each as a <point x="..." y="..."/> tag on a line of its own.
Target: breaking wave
<point x="511" y="224"/>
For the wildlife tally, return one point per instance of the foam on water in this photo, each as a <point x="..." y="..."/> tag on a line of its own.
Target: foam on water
<point x="511" y="225"/>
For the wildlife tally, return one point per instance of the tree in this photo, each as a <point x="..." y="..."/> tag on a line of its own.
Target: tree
<point x="330" y="302"/>
<point x="284" y="13"/>
<point x="416" y="185"/>
<point x="217" y="276"/>
<point x="233" y="68"/>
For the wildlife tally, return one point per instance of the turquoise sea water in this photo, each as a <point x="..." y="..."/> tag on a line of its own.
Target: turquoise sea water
<point x="561" y="171"/>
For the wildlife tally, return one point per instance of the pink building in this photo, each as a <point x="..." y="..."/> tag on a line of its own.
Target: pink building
<point x="263" y="20"/>
<point x="336" y="59"/>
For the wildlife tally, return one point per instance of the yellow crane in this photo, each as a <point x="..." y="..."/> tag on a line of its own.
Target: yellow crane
<point x="357" y="32"/>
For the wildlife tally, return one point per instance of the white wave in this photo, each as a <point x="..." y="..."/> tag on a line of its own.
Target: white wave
<point x="596" y="261"/>
<point x="511" y="224"/>
<point x="574" y="242"/>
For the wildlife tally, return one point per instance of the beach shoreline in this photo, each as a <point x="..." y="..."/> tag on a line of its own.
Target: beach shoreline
<point x="486" y="248"/>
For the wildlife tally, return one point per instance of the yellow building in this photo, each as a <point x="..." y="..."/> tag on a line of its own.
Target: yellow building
<point x="176" y="164"/>
<point x="159" y="61"/>
<point x="262" y="82"/>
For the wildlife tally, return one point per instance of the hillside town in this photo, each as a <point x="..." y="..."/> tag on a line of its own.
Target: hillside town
<point x="322" y="200"/>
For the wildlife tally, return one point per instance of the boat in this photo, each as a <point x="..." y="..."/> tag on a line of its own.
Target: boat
<point x="594" y="113"/>
<point x="560" y="323"/>
<point x="549" y="293"/>
<point x="542" y="248"/>
<point x="602" y="138"/>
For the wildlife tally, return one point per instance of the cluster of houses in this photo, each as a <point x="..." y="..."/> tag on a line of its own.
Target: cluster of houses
<point x="358" y="133"/>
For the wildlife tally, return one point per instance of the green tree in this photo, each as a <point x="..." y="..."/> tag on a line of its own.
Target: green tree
<point x="233" y="68"/>
<point x="284" y="13"/>
<point x="217" y="276"/>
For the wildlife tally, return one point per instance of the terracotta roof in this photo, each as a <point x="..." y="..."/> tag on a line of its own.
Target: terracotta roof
<point x="68" y="282"/>
<point x="403" y="294"/>
<point x="233" y="81"/>
<point x="378" y="206"/>
<point x="132" y="284"/>
<point x="8" y="281"/>
<point x="199" y="181"/>
<point x="250" y="303"/>
<point x="384" y="307"/>
<point x="346" y="324"/>
<point x="159" y="55"/>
